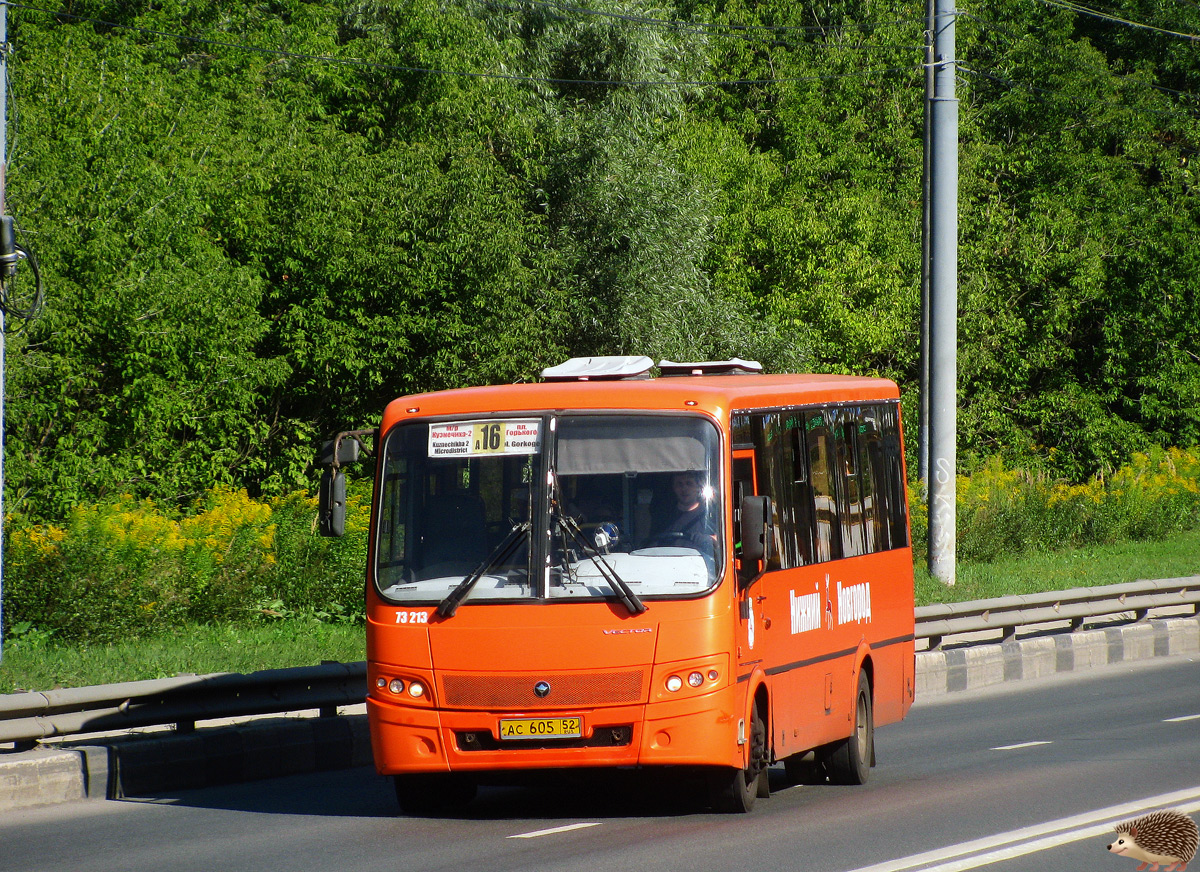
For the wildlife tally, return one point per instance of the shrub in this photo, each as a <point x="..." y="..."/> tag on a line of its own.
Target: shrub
<point x="125" y="568"/>
<point x="1003" y="511"/>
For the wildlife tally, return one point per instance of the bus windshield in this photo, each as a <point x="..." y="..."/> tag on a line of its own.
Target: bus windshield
<point x="573" y="507"/>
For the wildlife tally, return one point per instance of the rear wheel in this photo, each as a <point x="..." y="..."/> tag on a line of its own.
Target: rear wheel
<point x="433" y="792"/>
<point x="849" y="761"/>
<point x="734" y="790"/>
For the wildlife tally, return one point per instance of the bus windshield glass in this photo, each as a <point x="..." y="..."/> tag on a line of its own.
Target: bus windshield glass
<point x="643" y="493"/>
<point x="540" y="508"/>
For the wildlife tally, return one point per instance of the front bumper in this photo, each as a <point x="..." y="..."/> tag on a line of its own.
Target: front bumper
<point x="700" y="731"/>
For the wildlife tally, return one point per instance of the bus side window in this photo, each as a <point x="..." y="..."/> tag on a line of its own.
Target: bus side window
<point x="743" y="479"/>
<point x="767" y="434"/>
<point x="871" y="479"/>
<point x="850" y="491"/>
<point x="893" y="465"/>
<point x="743" y="485"/>
<point x="822" y="472"/>
<point x="802" y="494"/>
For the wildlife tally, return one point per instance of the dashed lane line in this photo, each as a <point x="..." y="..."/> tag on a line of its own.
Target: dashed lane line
<point x="566" y="828"/>
<point x="1029" y="840"/>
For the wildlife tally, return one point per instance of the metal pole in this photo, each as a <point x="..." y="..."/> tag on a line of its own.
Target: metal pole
<point x="943" y="297"/>
<point x="3" y="175"/>
<point x="923" y="376"/>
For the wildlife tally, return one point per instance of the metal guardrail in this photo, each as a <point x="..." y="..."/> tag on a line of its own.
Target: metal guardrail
<point x="28" y="717"/>
<point x="1010" y="613"/>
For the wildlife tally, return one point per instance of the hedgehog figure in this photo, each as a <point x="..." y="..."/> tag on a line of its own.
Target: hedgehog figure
<point x="1163" y="837"/>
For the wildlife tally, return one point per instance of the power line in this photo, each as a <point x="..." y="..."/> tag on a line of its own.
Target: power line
<point x="356" y="62"/>
<point x="706" y="26"/>
<point x="763" y="35"/>
<point x="1049" y="92"/>
<point x="1096" y="13"/>
<point x="1017" y="38"/>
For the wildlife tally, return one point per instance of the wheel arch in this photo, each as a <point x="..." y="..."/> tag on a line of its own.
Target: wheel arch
<point x="866" y="666"/>
<point x="757" y="694"/>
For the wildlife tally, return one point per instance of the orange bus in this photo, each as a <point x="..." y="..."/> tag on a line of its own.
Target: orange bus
<point x="709" y="569"/>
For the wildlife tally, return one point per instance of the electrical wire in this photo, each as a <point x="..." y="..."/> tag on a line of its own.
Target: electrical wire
<point x="1017" y="38"/>
<point x="1059" y="95"/>
<point x="358" y="63"/>
<point x="710" y="26"/>
<point x="1096" y="13"/>
<point x="30" y="311"/>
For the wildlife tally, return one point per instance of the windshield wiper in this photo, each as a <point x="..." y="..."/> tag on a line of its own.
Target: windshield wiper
<point x="447" y="607"/>
<point x="623" y="591"/>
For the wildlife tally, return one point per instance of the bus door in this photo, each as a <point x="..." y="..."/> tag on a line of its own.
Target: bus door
<point x="743" y="486"/>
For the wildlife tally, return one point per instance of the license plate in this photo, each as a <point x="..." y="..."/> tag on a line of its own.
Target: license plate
<point x="541" y="728"/>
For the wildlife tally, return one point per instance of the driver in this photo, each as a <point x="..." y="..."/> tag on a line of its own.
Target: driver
<point x="691" y="525"/>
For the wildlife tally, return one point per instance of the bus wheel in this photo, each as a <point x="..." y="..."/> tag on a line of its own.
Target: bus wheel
<point x="849" y="760"/>
<point x="734" y="790"/>
<point x="433" y="792"/>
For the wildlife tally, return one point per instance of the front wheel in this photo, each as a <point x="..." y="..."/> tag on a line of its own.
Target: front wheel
<point x="849" y="761"/>
<point x="734" y="790"/>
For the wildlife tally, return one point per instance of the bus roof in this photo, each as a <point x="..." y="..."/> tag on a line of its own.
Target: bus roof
<point x="715" y="394"/>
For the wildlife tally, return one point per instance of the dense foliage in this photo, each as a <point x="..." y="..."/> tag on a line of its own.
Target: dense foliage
<point x="125" y="568"/>
<point x="256" y="222"/>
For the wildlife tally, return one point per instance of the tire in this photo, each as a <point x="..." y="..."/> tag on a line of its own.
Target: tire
<point x="431" y="793"/>
<point x="735" y="790"/>
<point x="849" y="761"/>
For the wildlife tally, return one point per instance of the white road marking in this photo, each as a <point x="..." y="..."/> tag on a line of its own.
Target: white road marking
<point x="566" y="828"/>
<point x="1183" y="718"/>
<point x="1021" y="745"/>
<point x="1028" y="840"/>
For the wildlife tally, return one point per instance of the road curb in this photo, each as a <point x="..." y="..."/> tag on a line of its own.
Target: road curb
<point x="142" y="765"/>
<point x="967" y="668"/>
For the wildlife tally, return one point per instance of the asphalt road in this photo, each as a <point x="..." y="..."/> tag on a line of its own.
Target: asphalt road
<point x="1028" y="776"/>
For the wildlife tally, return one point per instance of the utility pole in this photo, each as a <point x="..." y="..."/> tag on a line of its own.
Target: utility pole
<point x="3" y="175"/>
<point x="923" y="377"/>
<point x="8" y="268"/>
<point x="943" y="295"/>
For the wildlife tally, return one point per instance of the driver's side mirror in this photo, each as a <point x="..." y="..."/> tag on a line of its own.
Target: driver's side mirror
<point x="331" y="503"/>
<point x="755" y="529"/>
<point x="331" y="498"/>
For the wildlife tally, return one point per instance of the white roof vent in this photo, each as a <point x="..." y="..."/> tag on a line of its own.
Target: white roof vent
<point x="599" y="369"/>
<point x="733" y="366"/>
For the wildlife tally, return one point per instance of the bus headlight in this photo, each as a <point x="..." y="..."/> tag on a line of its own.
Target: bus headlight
<point x="676" y="680"/>
<point x="416" y="690"/>
<point x="396" y="686"/>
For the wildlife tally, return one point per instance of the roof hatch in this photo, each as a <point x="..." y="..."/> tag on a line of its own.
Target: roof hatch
<point x="599" y="369"/>
<point x="734" y="366"/>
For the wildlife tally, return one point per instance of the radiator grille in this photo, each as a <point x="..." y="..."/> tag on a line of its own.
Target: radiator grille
<point x="516" y="692"/>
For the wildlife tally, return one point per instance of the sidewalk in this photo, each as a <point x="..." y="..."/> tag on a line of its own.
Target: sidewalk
<point x="165" y="760"/>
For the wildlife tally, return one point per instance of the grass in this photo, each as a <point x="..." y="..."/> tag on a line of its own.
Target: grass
<point x="1174" y="556"/>
<point x="37" y="662"/>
